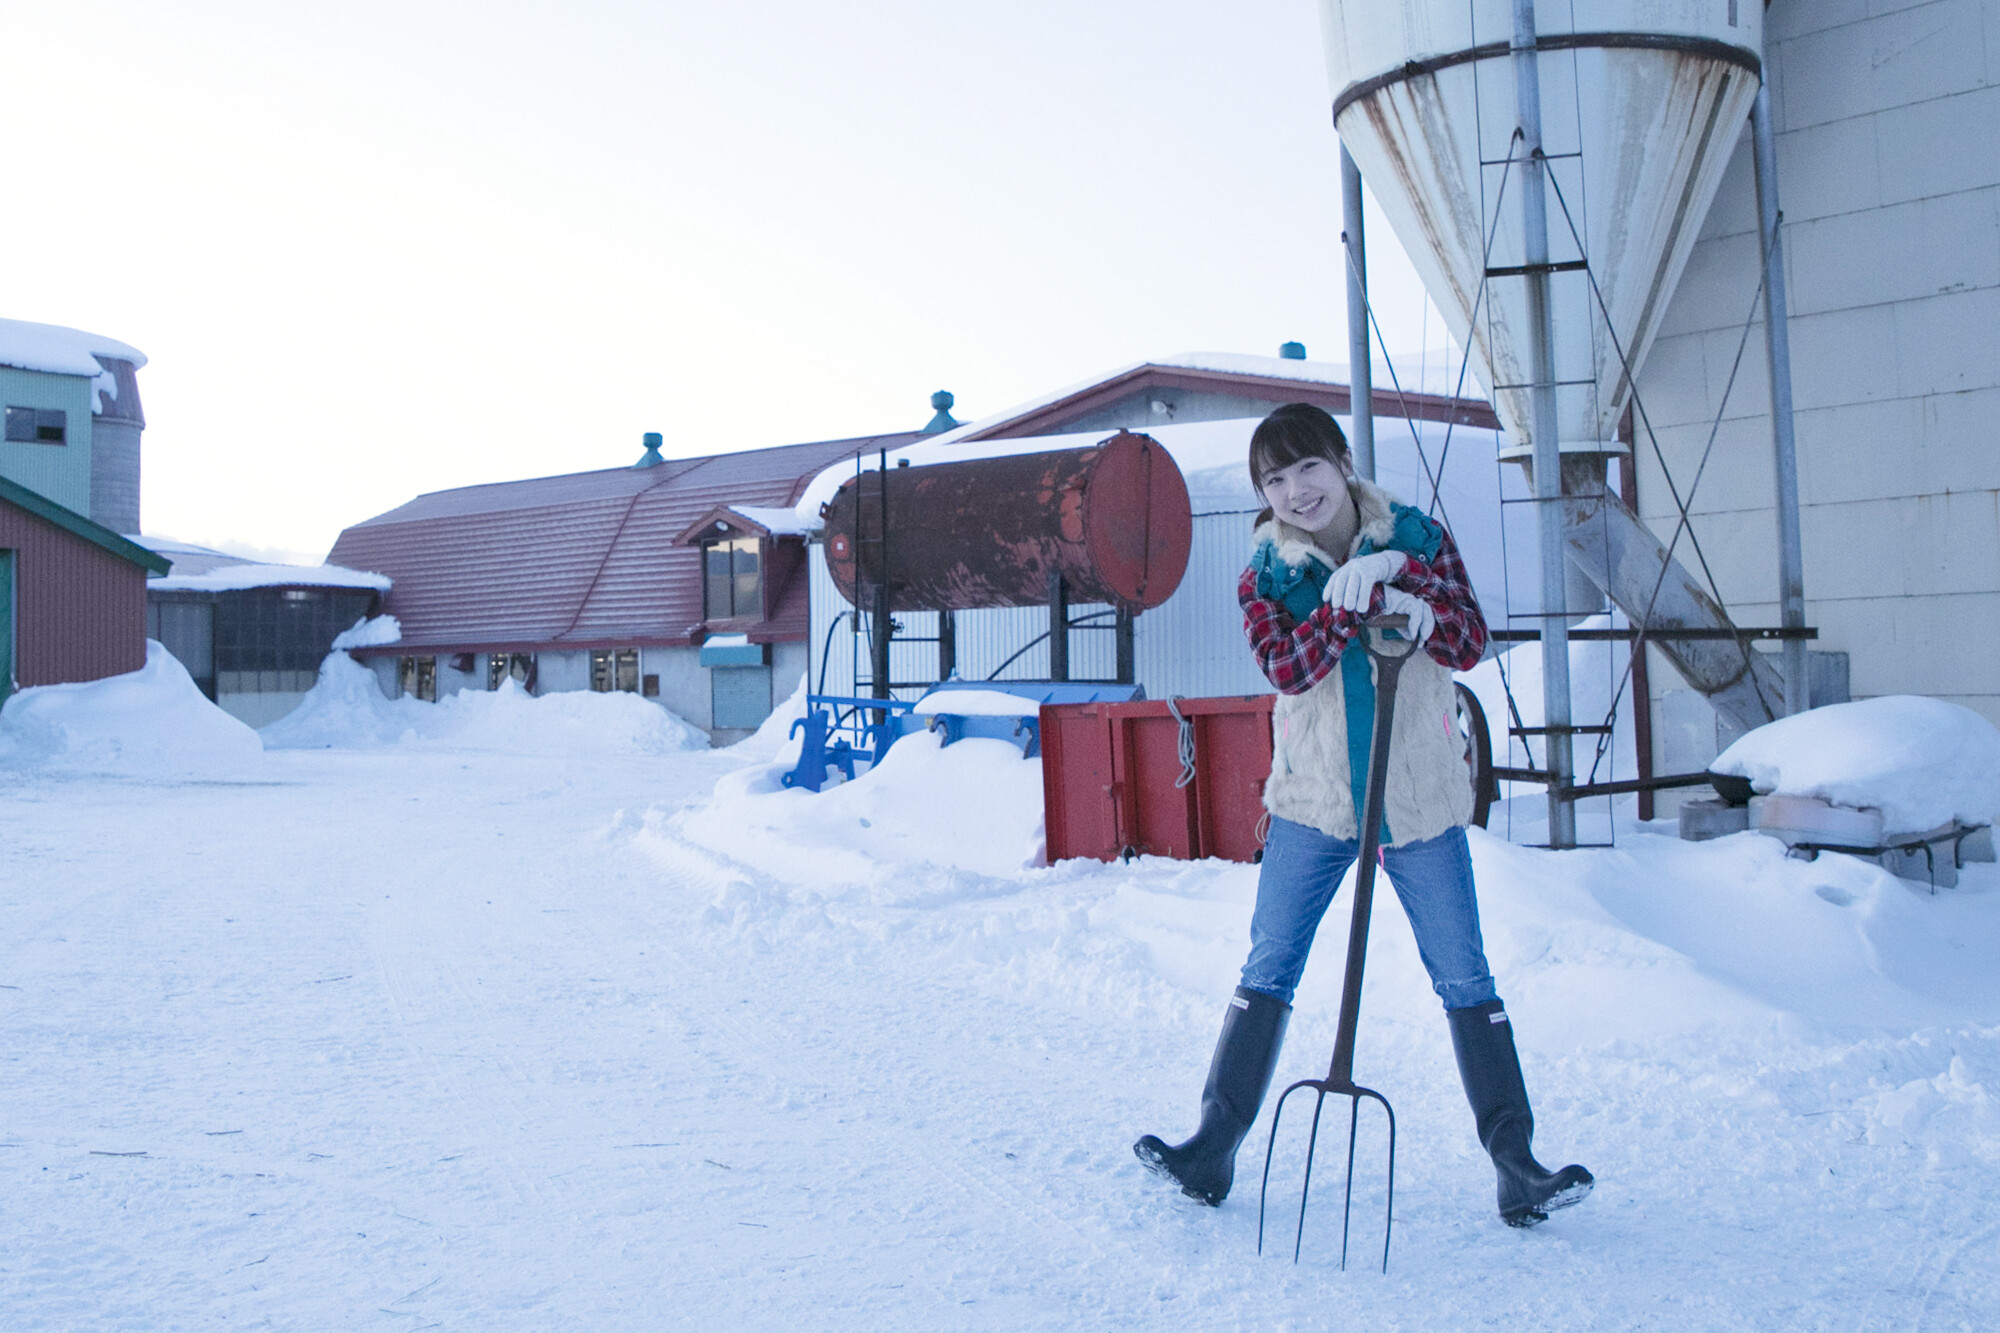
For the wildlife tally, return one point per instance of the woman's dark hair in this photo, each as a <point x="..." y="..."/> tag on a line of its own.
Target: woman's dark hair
<point x="1294" y="432"/>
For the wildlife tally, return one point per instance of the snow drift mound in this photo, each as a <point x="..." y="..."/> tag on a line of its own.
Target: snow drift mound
<point x="1922" y="762"/>
<point x="151" y="721"/>
<point x="973" y="807"/>
<point x="346" y="709"/>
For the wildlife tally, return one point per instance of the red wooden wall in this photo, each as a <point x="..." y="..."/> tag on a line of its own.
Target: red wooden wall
<point x="79" y="611"/>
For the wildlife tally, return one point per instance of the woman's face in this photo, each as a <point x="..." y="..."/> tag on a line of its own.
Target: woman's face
<point x="1308" y="494"/>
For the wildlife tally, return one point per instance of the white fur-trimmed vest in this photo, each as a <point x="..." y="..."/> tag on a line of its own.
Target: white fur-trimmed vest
<point x="1429" y="786"/>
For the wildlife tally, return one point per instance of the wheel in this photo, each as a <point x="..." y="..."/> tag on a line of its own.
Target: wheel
<point x="1471" y="722"/>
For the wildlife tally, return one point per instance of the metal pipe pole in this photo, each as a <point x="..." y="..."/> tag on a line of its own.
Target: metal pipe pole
<point x="1360" y="369"/>
<point x="1778" y="350"/>
<point x="1547" y="445"/>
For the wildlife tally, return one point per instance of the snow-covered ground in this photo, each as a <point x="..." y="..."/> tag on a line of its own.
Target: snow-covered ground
<point x="527" y="1022"/>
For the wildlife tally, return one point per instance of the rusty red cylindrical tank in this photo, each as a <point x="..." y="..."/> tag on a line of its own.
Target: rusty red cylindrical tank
<point x="1112" y="518"/>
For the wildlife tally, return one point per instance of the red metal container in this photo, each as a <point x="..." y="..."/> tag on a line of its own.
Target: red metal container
<point x="1112" y="778"/>
<point x="1113" y="519"/>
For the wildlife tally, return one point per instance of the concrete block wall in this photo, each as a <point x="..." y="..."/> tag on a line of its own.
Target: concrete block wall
<point x="684" y="685"/>
<point x="1888" y="120"/>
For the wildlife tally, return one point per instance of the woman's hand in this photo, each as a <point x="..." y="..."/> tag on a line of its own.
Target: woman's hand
<point x="1423" y="619"/>
<point x="1353" y="584"/>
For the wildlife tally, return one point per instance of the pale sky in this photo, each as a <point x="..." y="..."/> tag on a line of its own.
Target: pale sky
<point x="374" y="249"/>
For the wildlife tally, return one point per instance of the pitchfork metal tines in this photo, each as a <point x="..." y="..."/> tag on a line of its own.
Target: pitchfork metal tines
<point x="1339" y="1080"/>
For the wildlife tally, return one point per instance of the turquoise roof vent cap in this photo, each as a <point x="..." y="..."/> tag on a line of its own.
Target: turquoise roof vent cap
<point x="943" y="421"/>
<point x="1292" y="351"/>
<point x="651" y="458"/>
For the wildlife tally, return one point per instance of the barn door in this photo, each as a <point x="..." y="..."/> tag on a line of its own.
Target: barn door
<point x="6" y="624"/>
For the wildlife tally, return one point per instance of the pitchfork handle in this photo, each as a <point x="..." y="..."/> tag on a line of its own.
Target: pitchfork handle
<point x="1388" y="666"/>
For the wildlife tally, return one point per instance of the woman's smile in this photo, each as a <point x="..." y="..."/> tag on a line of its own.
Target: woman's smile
<point x="1309" y="494"/>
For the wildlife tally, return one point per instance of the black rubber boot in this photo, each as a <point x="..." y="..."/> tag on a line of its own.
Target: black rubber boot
<point x="1491" y="1072"/>
<point x="1246" y="1054"/>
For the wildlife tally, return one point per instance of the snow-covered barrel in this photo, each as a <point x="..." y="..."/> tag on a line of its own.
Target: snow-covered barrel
<point x="1113" y="519"/>
<point x="1642" y="104"/>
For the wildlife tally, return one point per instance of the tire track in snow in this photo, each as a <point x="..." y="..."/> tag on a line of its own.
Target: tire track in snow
<point x="927" y="1156"/>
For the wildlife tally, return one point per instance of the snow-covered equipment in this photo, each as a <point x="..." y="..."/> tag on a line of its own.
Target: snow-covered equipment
<point x="1552" y="243"/>
<point x="824" y="748"/>
<point x="1009" y="710"/>
<point x="1909" y="781"/>
<point x="1339" y="1080"/>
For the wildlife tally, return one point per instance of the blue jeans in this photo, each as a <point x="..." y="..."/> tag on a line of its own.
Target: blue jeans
<point x="1302" y="869"/>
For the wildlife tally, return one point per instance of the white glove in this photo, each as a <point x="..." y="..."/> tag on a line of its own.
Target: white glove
<point x="1396" y="602"/>
<point x="1353" y="584"/>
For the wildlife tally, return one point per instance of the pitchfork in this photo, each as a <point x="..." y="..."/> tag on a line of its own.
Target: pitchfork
<point x="1340" y="1075"/>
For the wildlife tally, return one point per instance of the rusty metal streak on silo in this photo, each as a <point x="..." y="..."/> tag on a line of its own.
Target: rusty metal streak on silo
<point x="1114" y="518"/>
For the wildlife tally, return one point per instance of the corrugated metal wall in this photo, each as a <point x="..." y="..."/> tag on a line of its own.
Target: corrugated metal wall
<point x="1192" y="645"/>
<point x="79" y="611"/>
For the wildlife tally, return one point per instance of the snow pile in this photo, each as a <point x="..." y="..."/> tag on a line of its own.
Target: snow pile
<point x="370" y="632"/>
<point x="1921" y="762"/>
<point x="962" y="815"/>
<point x="152" y="722"/>
<point x="346" y="709"/>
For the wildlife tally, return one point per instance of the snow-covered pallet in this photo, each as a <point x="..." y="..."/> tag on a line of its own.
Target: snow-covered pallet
<point x="1809" y="826"/>
<point x="1910" y="782"/>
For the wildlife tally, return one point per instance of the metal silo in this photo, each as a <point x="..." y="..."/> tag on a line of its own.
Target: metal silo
<point x="1548" y="169"/>
<point x="1642" y="102"/>
<point x="117" y="421"/>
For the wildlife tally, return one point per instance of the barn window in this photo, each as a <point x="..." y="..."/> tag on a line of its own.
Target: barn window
<point x="37" y="425"/>
<point x="418" y="677"/>
<point x="272" y="640"/>
<point x="615" y="671"/>
<point x="517" y="667"/>
<point x="732" y="579"/>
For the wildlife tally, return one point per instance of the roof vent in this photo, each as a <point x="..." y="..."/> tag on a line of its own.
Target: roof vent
<point x="944" y="420"/>
<point x="1292" y="351"/>
<point x="651" y="458"/>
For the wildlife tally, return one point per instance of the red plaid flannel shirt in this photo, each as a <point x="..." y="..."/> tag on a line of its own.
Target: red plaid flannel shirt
<point x="1297" y="655"/>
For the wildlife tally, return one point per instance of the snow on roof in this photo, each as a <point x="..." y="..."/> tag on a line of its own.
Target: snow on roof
<point x="777" y="522"/>
<point x="236" y="578"/>
<point x="187" y="557"/>
<point x="60" y="351"/>
<point x="1331" y="374"/>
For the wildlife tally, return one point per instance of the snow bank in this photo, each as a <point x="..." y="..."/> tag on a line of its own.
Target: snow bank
<point x="152" y="722"/>
<point x="1656" y="939"/>
<point x="1921" y="762"/>
<point x="970" y="809"/>
<point x="346" y="709"/>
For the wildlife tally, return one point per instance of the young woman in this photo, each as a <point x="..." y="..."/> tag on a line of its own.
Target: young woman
<point x="1332" y="550"/>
